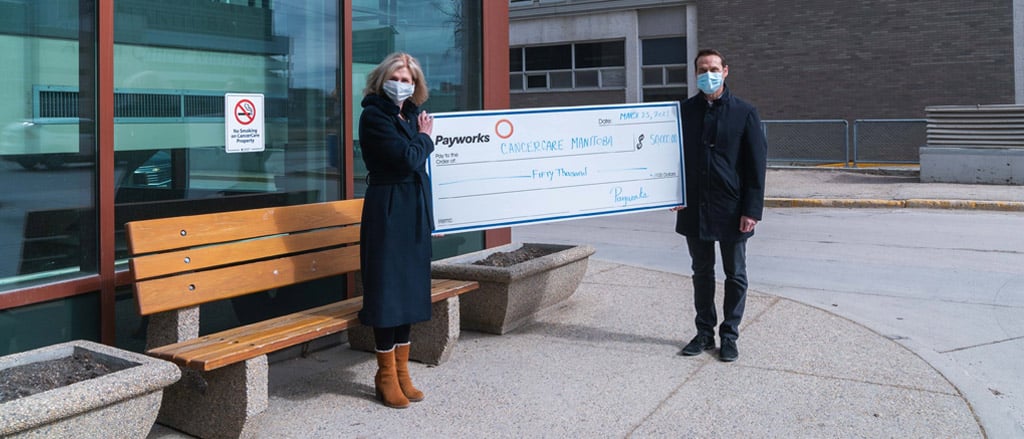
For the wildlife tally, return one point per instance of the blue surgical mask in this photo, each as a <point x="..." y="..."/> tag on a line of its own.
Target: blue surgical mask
<point x="709" y="82"/>
<point x="398" y="91"/>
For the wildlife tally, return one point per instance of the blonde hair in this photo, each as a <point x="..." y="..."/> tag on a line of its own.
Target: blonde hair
<point x="375" y="80"/>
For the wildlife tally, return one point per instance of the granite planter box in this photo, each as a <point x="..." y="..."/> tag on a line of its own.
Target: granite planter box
<point x="510" y="297"/>
<point x="121" y="404"/>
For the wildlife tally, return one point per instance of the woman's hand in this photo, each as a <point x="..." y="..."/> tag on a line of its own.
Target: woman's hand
<point x="426" y="123"/>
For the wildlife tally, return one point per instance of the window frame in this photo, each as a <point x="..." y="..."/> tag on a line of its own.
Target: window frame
<point x="605" y="74"/>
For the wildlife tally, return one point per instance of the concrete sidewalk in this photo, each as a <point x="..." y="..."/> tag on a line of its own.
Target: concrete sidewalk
<point x="882" y="187"/>
<point x="605" y="363"/>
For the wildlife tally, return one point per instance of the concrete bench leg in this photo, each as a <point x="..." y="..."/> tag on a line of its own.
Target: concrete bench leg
<point x="432" y="341"/>
<point x="224" y="403"/>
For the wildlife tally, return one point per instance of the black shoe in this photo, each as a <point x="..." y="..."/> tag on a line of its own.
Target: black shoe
<point x="699" y="344"/>
<point x="728" y="352"/>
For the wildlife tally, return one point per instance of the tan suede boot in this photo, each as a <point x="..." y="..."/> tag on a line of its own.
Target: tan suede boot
<point x="386" y="381"/>
<point x="404" y="381"/>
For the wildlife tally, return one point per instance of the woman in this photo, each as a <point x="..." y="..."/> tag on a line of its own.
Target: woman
<point x="397" y="219"/>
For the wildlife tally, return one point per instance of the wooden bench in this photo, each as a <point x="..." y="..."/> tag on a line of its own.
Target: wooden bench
<point x="182" y="262"/>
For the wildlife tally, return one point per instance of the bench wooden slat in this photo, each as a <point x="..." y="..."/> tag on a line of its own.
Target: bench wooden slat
<point x="184" y="351"/>
<point x="190" y="289"/>
<point x="238" y="344"/>
<point x="180" y="352"/>
<point x="265" y="343"/>
<point x="200" y="258"/>
<point x="262" y="339"/>
<point x="441" y="289"/>
<point x="166" y="234"/>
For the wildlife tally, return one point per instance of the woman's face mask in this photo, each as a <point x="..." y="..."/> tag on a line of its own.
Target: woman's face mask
<point x="398" y="91"/>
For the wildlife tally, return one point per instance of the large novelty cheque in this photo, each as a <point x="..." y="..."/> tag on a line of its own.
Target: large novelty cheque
<point x="502" y="168"/>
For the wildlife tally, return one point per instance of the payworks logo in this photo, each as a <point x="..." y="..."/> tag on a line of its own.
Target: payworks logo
<point x="460" y="140"/>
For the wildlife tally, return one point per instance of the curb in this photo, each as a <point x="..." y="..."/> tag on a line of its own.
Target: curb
<point x="1004" y="206"/>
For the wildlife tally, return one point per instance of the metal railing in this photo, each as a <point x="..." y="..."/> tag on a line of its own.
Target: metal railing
<point x="803" y="142"/>
<point x="888" y="140"/>
<point x="828" y="141"/>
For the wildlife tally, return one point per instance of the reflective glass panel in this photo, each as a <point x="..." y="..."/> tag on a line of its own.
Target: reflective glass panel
<point x="537" y="81"/>
<point x="561" y="79"/>
<point x="43" y="324"/>
<point x="664" y="51"/>
<point x="676" y="75"/>
<point x="47" y="143"/>
<point x="178" y="67"/>
<point x="613" y="78"/>
<point x="586" y="78"/>
<point x="515" y="59"/>
<point x="175" y="63"/>
<point x="604" y="54"/>
<point x="549" y="57"/>
<point x="444" y="35"/>
<point x="515" y="82"/>
<point x="653" y="76"/>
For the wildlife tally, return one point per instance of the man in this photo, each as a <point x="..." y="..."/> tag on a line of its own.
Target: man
<point x="725" y="155"/>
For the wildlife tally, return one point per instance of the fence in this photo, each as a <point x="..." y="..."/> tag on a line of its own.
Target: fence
<point x="828" y="141"/>
<point x="889" y="140"/>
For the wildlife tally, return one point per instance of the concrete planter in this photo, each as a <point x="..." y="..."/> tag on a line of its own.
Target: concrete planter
<point x="121" y="404"/>
<point x="510" y="297"/>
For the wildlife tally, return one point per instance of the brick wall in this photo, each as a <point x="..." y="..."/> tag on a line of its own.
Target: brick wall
<point x="812" y="59"/>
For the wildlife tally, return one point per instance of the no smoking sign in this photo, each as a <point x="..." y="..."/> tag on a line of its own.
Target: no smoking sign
<point x="243" y="123"/>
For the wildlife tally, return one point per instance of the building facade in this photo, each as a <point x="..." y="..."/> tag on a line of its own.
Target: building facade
<point x="598" y="52"/>
<point x="793" y="59"/>
<point x="114" y="110"/>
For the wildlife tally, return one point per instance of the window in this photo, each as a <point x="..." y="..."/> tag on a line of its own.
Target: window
<point x="47" y="144"/>
<point x="609" y="54"/>
<point x="664" y="61"/>
<point x="445" y="37"/>
<point x="48" y="170"/>
<point x="664" y="69"/>
<point x="515" y="59"/>
<point x="548" y="57"/>
<point x="593" y="65"/>
<point x="173" y="64"/>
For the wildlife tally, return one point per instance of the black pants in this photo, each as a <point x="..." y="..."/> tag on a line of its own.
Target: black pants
<point x="734" y="263"/>
<point x="385" y="339"/>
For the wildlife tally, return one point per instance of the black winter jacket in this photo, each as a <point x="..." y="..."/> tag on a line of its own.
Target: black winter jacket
<point x="725" y="169"/>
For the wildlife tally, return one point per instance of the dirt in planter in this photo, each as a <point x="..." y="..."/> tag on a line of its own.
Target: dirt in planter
<point x="521" y="254"/>
<point x="29" y="379"/>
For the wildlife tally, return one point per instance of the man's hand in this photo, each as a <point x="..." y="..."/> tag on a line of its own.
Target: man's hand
<point x="747" y="224"/>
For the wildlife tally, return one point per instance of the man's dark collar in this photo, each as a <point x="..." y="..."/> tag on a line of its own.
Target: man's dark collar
<point x="721" y="98"/>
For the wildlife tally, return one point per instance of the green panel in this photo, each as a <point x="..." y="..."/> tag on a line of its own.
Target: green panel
<point x="43" y="324"/>
<point x="457" y="244"/>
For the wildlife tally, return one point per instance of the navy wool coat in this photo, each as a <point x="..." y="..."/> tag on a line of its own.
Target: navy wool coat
<point x="726" y="180"/>
<point x="395" y="248"/>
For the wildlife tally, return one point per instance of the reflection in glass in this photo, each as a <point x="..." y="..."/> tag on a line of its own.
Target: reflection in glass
<point x="613" y="78"/>
<point x="173" y="64"/>
<point x="46" y="143"/>
<point x="444" y="35"/>
<point x="670" y="50"/>
<point x="561" y="79"/>
<point x="606" y="54"/>
<point x="549" y="57"/>
<point x="587" y="78"/>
